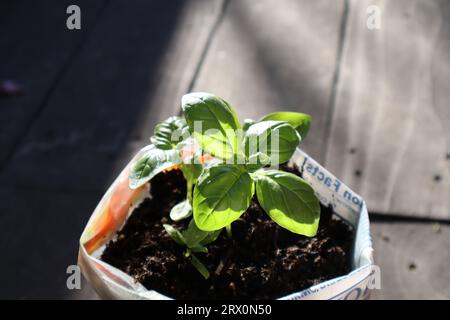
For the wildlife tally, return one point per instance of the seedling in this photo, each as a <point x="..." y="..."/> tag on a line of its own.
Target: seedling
<point x="224" y="189"/>
<point x="195" y="241"/>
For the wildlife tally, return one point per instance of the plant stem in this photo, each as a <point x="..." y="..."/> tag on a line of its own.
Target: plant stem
<point x="229" y="233"/>
<point x="189" y="187"/>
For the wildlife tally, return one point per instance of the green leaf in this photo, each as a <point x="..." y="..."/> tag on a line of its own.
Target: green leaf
<point x="300" y="121"/>
<point x="199" y="266"/>
<point x="213" y="123"/>
<point x="181" y="211"/>
<point x="199" y="248"/>
<point x="151" y="162"/>
<point x="191" y="171"/>
<point x="247" y="124"/>
<point x="175" y="234"/>
<point x="275" y="141"/>
<point x="289" y="201"/>
<point x="223" y="192"/>
<point x="257" y="161"/>
<point x="211" y="237"/>
<point x="169" y="133"/>
<point x="194" y="235"/>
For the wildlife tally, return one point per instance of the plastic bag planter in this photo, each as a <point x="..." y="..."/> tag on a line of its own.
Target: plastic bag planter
<point x="119" y="201"/>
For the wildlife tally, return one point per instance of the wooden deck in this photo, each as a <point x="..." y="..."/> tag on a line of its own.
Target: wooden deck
<point x="379" y="101"/>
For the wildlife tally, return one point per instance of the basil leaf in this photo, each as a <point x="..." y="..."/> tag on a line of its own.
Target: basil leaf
<point x="223" y="192"/>
<point x="199" y="248"/>
<point x="150" y="163"/>
<point x="276" y="140"/>
<point x="257" y="161"/>
<point x="191" y="171"/>
<point x="300" y="121"/>
<point x="213" y="123"/>
<point x="211" y="237"/>
<point x="175" y="234"/>
<point x="289" y="201"/>
<point x="194" y="235"/>
<point x="169" y="133"/>
<point x="199" y="266"/>
<point x="181" y="211"/>
<point x="247" y="124"/>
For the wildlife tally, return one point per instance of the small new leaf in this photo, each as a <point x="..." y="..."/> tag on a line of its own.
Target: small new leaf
<point x="169" y="133"/>
<point x="199" y="266"/>
<point x="175" y="234"/>
<point x="181" y="211"/>
<point x="213" y="123"/>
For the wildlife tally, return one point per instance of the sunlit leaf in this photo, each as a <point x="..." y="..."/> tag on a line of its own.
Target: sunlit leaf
<point x="223" y="192"/>
<point x="270" y="141"/>
<point x="181" y="211"/>
<point x="289" y="201"/>
<point x="213" y="123"/>
<point x="300" y="121"/>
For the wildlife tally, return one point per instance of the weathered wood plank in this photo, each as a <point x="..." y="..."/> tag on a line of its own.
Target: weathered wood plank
<point x="276" y="55"/>
<point x="413" y="258"/>
<point x="390" y="138"/>
<point x="40" y="232"/>
<point x="35" y="49"/>
<point x="129" y="75"/>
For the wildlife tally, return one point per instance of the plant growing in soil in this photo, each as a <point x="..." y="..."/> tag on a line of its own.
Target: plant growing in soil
<point x="195" y="241"/>
<point x="223" y="191"/>
<point x="225" y="187"/>
<point x="169" y="143"/>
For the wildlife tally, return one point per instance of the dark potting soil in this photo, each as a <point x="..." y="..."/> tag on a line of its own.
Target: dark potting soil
<point x="261" y="261"/>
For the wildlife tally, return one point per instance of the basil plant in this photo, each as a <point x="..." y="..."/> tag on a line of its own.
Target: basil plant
<point x="243" y="165"/>
<point x="223" y="191"/>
